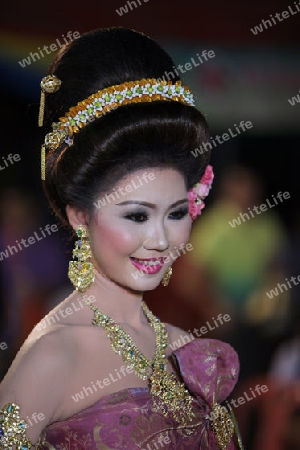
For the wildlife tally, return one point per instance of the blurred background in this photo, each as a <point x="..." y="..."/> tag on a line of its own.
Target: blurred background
<point x="243" y="268"/>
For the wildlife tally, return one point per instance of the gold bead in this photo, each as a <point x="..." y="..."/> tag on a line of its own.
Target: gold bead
<point x="50" y="84"/>
<point x="54" y="139"/>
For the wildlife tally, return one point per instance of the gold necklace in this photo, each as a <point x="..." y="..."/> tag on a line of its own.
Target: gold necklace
<point x="169" y="396"/>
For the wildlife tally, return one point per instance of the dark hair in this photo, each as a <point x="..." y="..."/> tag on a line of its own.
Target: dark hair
<point x="131" y="137"/>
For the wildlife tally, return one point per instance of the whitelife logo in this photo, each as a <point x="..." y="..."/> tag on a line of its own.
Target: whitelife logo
<point x="284" y="15"/>
<point x="153" y="269"/>
<point x="124" y="9"/>
<point x="119" y="374"/>
<point x="292" y="101"/>
<point x="187" y="66"/>
<point x="275" y="292"/>
<point x="3" y="346"/>
<point x="259" y="209"/>
<point x="9" y="160"/>
<point x="134" y="184"/>
<point x="63" y="313"/>
<point x="53" y="48"/>
<point x="11" y="250"/>
<point x="201" y="331"/>
<point x="161" y="441"/>
<point x="225" y="136"/>
<point x="259" y="390"/>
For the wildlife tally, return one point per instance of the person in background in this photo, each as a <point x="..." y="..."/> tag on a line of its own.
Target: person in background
<point x="30" y="273"/>
<point x="239" y="255"/>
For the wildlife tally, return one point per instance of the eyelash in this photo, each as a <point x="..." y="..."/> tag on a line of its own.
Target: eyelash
<point x="136" y="216"/>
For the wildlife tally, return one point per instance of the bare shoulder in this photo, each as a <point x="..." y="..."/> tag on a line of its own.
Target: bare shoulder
<point x="177" y="336"/>
<point x="175" y="332"/>
<point x="40" y="348"/>
<point x="57" y="342"/>
<point x="38" y="376"/>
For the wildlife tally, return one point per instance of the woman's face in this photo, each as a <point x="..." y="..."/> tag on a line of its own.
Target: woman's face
<point x="144" y="218"/>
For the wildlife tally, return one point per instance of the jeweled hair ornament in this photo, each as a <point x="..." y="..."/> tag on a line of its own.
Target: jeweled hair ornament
<point x="105" y="100"/>
<point x="49" y="84"/>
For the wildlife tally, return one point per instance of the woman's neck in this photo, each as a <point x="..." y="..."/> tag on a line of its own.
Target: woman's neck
<point x="118" y="302"/>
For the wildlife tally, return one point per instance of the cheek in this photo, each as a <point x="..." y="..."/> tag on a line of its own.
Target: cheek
<point x="181" y="233"/>
<point x="107" y="239"/>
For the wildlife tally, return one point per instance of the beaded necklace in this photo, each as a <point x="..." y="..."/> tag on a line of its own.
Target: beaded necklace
<point x="169" y="396"/>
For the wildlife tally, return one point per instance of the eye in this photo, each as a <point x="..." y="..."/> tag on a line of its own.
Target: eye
<point x="179" y="214"/>
<point x="137" y="217"/>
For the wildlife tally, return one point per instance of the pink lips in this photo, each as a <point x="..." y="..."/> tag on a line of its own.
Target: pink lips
<point x="147" y="268"/>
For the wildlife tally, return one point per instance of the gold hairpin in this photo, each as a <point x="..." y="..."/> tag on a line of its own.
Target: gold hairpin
<point x="49" y="85"/>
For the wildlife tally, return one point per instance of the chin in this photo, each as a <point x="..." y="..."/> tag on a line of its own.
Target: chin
<point x="149" y="287"/>
<point x="141" y="285"/>
<point x="145" y="282"/>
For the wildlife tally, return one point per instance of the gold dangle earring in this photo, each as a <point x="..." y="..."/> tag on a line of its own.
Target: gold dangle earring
<point x="166" y="277"/>
<point x="81" y="272"/>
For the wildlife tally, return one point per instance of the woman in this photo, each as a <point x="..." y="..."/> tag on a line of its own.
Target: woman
<point x="98" y="371"/>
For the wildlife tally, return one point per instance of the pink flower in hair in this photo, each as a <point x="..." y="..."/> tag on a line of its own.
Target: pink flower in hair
<point x="195" y="209"/>
<point x="208" y="176"/>
<point x="192" y="196"/>
<point x="199" y="191"/>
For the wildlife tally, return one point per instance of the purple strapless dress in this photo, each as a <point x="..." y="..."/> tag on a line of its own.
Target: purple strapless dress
<point x="126" y="420"/>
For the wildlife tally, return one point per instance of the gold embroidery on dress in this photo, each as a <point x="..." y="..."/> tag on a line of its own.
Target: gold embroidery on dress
<point x="41" y="444"/>
<point x="148" y="428"/>
<point x="221" y="425"/>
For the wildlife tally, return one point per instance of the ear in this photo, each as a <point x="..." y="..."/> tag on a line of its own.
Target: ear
<point x="76" y="217"/>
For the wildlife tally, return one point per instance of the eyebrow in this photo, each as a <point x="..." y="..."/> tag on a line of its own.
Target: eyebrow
<point x="150" y="205"/>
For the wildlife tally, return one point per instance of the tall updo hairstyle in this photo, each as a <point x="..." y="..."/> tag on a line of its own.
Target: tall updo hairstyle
<point x="160" y="134"/>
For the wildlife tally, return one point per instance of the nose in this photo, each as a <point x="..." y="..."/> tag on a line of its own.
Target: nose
<point x="157" y="239"/>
